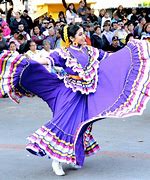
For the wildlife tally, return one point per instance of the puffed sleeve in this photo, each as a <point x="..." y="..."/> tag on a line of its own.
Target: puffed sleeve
<point x="57" y="59"/>
<point x="58" y="64"/>
<point x="103" y="54"/>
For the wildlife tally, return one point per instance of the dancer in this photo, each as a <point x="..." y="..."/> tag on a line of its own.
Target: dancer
<point x="94" y="85"/>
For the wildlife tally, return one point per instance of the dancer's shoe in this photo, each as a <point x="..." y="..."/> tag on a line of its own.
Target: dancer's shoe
<point x="75" y="166"/>
<point x="57" y="168"/>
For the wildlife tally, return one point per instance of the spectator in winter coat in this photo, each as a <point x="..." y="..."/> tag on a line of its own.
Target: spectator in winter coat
<point x="28" y="19"/>
<point x="24" y="44"/>
<point x="96" y="39"/>
<point x="114" y="45"/>
<point x="6" y="30"/>
<point x="18" y="20"/>
<point x="107" y="35"/>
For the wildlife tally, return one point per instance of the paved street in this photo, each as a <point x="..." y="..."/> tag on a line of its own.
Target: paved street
<point x="125" y="153"/>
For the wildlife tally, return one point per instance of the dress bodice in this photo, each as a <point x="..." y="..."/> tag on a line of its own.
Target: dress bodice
<point x="82" y="62"/>
<point x="81" y="54"/>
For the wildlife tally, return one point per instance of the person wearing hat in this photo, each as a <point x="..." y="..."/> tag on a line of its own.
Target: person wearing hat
<point x="114" y="45"/>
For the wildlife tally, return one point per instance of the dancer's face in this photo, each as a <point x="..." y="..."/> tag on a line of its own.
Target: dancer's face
<point x="79" y="37"/>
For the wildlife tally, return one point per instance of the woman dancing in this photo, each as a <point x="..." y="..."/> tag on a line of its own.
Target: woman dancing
<point x="92" y="85"/>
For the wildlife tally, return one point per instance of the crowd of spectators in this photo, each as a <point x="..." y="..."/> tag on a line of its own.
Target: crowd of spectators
<point x="107" y="31"/>
<point x="110" y="32"/>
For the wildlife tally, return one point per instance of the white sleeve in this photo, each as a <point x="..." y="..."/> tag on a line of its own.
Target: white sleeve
<point x="69" y="17"/>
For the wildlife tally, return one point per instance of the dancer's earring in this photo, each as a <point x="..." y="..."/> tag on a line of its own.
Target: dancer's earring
<point x="75" y="44"/>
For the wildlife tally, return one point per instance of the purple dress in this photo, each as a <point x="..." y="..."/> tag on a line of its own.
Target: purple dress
<point x="94" y="85"/>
